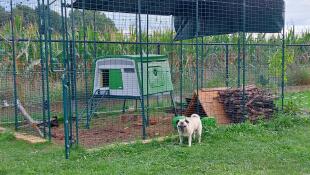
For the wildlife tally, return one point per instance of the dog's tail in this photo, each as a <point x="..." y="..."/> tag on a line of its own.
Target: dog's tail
<point x="195" y="115"/>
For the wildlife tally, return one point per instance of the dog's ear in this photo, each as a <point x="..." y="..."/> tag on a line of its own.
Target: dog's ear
<point x="187" y="121"/>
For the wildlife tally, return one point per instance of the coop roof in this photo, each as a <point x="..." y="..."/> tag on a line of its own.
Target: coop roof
<point x="215" y="16"/>
<point x="137" y="58"/>
<point x="208" y="99"/>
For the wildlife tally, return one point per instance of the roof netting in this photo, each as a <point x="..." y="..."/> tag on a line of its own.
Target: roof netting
<point x="215" y="17"/>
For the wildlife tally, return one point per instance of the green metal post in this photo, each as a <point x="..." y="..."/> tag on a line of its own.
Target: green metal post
<point x="14" y="65"/>
<point x="239" y="62"/>
<point x="45" y="89"/>
<point x="72" y="88"/>
<point x="227" y="64"/>
<point x="197" y="55"/>
<point x="137" y="39"/>
<point x="142" y="81"/>
<point x="181" y="76"/>
<point x="69" y="77"/>
<point x="64" y="36"/>
<point x="48" y="43"/>
<point x="147" y="71"/>
<point x="65" y="114"/>
<point x="158" y="52"/>
<point x="243" y="58"/>
<point x="85" y="61"/>
<point x="42" y="62"/>
<point x="64" y="80"/>
<point x="283" y="68"/>
<point x="66" y="65"/>
<point x="202" y="63"/>
<point x="95" y="43"/>
<point x="73" y="83"/>
<point x="95" y="36"/>
<point x="171" y="50"/>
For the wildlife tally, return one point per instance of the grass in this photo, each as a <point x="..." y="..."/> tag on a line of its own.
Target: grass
<point x="277" y="147"/>
<point x="300" y="99"/>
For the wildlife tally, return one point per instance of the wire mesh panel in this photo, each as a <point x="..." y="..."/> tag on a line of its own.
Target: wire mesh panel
<point x="119" y="71"/>
<point x="116" y="117"/>
<point x="22" y="75"/>
<point x="129" y="70"/>
<point x="297" y="78"/>
<point x="7" y="91"/>
<point x="7" y="99"/>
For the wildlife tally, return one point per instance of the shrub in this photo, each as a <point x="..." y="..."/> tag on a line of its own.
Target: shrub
<point x="208" y="122"/>
<point x="291" y="108"/>
<point x="282" y="120"/>
<point x="275" y="63"/>
<point x="208" y="125"/>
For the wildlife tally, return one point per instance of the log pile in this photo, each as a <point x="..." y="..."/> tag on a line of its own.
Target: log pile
<point x="256" y="104"/>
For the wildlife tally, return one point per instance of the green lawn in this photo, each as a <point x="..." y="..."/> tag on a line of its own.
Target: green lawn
<point x="301" y="99"/>
<point x="278" y="147"/>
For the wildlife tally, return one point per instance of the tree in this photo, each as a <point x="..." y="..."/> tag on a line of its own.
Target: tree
<point x="54" y="17"/>
<point x="4" y="16"/>
<point x="103" y="23"/>
<point x="28" y="14"/>
<point x="55" y="21"/>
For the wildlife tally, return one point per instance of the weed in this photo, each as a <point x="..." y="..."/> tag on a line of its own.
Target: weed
<point x="291" y="107"/>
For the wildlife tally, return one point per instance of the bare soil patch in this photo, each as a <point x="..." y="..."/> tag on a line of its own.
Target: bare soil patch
<point x="118" y="129"/>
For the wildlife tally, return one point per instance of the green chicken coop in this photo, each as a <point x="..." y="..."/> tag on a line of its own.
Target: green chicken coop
<point x="121" y="76"/>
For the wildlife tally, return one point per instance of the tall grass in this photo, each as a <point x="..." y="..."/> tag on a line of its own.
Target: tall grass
<point x="28" y="53"/>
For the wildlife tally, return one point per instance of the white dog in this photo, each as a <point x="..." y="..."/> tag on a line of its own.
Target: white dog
<point x="190" y="127"/>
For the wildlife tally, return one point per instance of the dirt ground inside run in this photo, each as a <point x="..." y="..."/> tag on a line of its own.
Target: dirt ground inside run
<point x="117" y="129"/>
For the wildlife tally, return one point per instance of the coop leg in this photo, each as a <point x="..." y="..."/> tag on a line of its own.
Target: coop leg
<point x="157" y="100"/>
<point x="89" y="111"/>
<point x="172" y="103"/>
<point x="124" y="106"/>
<point x="136" y="107"/>
<point x="147" y="116"/>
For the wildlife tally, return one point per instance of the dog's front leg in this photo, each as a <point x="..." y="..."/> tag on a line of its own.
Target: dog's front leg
<point x="181" y="139"/>
<point x="199" y="135"/>
<point x="190" y="140"/>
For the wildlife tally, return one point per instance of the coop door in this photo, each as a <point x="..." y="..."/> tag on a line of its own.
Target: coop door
<point x="156" y="76"/>
<point x="112" y="79"/>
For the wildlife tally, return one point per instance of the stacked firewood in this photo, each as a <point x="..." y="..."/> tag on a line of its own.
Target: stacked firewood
<point x="255" y="104"/>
